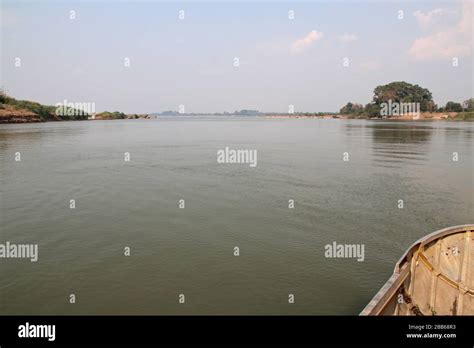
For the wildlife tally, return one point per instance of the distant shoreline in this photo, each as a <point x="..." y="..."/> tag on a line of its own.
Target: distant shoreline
<point x="434" y="116"/>
<point x="397" y="101"/>
<point x="19" y="118"/>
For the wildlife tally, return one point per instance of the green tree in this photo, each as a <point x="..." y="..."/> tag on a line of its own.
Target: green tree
<point x="372" y="110"/>
<point x="351" y="108"/>
<point x="404" y="92"/>
<point x="469" y="104"/>
<point x="453" y="107"/>
<point x="106" y="115"/>
<point x="3" y="97"/>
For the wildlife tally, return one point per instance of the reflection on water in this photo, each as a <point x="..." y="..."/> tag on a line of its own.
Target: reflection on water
<point x="456" y="132"/>
<point x="395" y="132"/>
<point x="190" y="250"/>
<point x="395" y="143"/>
<point x="401" y="134"/>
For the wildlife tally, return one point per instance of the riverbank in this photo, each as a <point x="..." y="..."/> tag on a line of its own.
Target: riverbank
<point x="25" y="111"/>
<point x="10" y="114"/>
<point x="25" y="116"/>
<point x="425" y="116"/>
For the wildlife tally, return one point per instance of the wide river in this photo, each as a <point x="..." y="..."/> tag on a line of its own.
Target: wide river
<point x="190" y="251"/>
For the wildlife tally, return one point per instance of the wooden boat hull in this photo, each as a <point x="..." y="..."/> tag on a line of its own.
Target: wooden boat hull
<point x="434" y="277"/>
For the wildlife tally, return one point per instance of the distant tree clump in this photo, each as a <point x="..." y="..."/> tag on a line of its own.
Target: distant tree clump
<point x="372" y="110"/>
<point x="404" y="92"/>
<point x="468" y="105"/>
<point x="245" y="112"/>
<point x="351" y="108"/>
<point x="453" y="107"/>
<point x="394" y="92"/>
<point x="106" y="115"/>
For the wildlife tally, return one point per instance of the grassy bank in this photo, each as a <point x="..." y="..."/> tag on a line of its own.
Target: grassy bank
<point x="24" y="111"/>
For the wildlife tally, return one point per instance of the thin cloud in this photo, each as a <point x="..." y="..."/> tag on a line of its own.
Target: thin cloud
<point x="305" y="42"/>
<point x="451" y="42"/>
<point x="347" y="38"/>
<point x="425" y="19"/>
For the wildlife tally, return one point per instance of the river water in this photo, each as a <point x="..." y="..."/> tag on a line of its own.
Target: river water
<point x="135" y="204"/>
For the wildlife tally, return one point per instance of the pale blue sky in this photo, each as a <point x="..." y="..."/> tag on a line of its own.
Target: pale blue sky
<point x="190" y="61"/>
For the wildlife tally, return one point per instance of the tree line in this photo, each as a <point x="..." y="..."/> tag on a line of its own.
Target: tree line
<point x="404" y="92"/>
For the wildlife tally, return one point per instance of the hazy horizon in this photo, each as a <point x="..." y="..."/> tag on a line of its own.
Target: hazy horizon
<point x="191" y="61"/>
